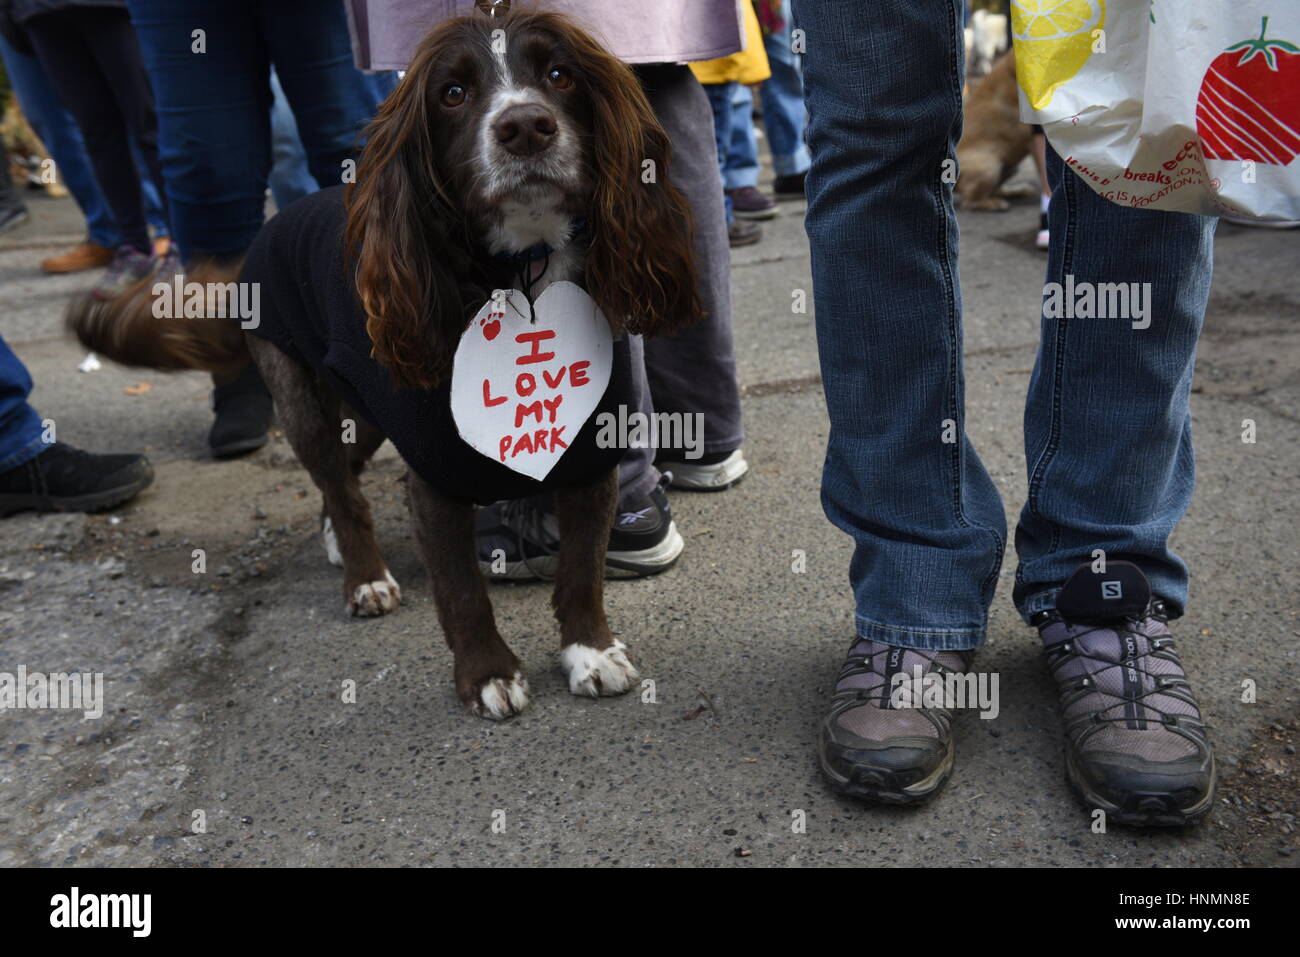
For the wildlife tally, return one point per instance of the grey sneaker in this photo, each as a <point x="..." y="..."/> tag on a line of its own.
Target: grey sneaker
<point x="869" y="749"/>
<point x="1135" y="744"/>
<point x="128" y="267"/>
<point x="709" y="473"/>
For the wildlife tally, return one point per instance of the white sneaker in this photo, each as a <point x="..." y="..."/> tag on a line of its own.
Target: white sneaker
<point x="706" y="477"/>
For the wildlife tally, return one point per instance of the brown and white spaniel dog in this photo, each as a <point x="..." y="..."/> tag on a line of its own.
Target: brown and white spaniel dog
<point x="514" y="154"/>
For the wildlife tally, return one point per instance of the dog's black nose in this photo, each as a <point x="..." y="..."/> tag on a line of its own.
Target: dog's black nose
<point x="525" y="129"/>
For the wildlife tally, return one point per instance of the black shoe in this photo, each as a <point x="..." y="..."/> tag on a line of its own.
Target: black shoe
<point x="243" y="408"/>
<point x="1135" y="744"/>
<point x="873" y="751"/>
<point x="520" y="540"/>
<point x="65" y="479"/>
<point x="789" y="187"/>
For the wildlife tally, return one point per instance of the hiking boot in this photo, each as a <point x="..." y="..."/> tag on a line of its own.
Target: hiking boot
<point x="66" y="479"/>
<point x="243" y="408"/>
<point x="78" y="259"/>
<point x="1135" y="744"/>
<point x="128" y="267"/>
<point x="748" y="203"/>
<point x="872" y="750"/>
<point x="712" y="472"/>
<point x="520" y="540"/>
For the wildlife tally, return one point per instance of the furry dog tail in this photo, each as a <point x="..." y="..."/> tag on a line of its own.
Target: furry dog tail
<point x="146" y="325"/>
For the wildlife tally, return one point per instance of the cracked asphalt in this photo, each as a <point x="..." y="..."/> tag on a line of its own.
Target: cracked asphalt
<point x="224" y="690"/>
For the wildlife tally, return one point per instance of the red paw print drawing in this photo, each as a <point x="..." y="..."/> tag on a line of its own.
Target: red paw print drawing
<point x="491" y="325"/>
<point x="1249" y="103"/>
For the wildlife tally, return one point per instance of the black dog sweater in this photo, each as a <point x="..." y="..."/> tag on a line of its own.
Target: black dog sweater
<point x="310" y="309"/>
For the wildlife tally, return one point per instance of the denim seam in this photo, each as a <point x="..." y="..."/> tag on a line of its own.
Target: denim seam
<point x="956" y="353"/>
<point x="1059" y="331"/>
<point x="952" y="639"/>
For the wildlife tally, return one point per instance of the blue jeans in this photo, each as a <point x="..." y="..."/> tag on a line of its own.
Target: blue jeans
<point x="1107" y="427"/>
<point x="733" y="126"/>
<point x="784" y="116"/>
<point x="214" y="107"/>
<point x="20" y="426"/>
<point x="289" y="178"/>
<point x="58" y="131"/>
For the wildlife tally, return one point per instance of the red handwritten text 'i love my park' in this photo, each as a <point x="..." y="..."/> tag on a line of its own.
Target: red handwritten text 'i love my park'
<point x="537" y="391"/>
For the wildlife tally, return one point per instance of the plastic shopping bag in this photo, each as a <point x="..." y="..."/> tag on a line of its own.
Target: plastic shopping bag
<point x="1188" y="105"/>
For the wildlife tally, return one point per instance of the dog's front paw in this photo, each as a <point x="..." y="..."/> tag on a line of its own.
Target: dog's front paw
<point x="372" y="599"/>
<point x="500" y="698"/>
<point x="594" y="672"/>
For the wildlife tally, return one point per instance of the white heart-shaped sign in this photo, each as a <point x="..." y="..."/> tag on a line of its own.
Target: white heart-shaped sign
<point x="526" y="378"/>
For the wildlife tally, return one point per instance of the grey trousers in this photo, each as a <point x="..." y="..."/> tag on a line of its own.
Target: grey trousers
<point x="695" y="370"/>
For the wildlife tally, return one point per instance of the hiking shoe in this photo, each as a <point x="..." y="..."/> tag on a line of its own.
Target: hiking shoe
<point x="712" y="472"/>
<point x="870" y="749"/>
<point x="78" y="259"/>
<point x="128" y="267"/>
<point x="1135" y="744"/>
<point x="748" y="203"/>
<point x="790" y="187"/>
<point x="66" y="479"/>
<point x="741" y="233"/>
<point x="243" y="408"/>
<point x="520" y="540"/>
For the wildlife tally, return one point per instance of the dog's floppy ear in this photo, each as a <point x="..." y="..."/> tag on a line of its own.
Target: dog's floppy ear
<point x="397" y="226"/>
<point x="640" y="265"/>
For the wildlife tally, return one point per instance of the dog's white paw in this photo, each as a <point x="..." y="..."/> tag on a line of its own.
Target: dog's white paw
<point x="501" y="698"/>
<point x="331" y="543"/>
<point x="375" y="598"/>
<point x="594" y="673"/>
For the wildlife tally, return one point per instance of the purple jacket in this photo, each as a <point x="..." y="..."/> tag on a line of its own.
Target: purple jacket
<point x="385" y="32"/>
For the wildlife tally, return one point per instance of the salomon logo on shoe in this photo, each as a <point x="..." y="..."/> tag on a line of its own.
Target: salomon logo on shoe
<point x="1112" y="590"/>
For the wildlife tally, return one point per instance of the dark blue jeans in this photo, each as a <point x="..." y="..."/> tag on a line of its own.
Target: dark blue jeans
<point x="1107" y="427"/>
<point x="58" y="131"/>
<point x="214" y="107"/>
<point x="20" y="426"/>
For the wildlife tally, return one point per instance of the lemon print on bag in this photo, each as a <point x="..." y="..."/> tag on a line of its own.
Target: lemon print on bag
<point x="1053" y="41"/>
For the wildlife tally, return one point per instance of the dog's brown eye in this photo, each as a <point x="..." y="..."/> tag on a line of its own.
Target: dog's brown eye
<point x="560" y="79"/>
<point x="453" y="95"/>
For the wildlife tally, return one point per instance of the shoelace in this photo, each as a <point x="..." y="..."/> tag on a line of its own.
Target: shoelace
<point x="863" y="664"/>
<point x="1132" y="704"/>
<point x="528" y="521"/>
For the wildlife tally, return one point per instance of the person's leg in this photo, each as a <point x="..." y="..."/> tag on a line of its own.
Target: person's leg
<point x="784" y="114"/>
<point x="900" y="476"/>
<point x="1108" y="448"/>
<point x="332" y="100"/>
<point x="117" y="52"/>
<point x="740" y="165"/>
<point x="213" y="120"/>
<point x="884" y="98"/>
<point x="290" y="178"/>
<point x="20" y="427"/>
<point x="1108" y="439"/>
<point x="58" y="131"/>
<point x="67" y="53"/>
<point x="694" y="372"/>
<point x="719" y="97"/>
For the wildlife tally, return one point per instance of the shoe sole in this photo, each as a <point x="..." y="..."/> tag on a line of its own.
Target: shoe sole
<point x="637" y="564"/>
<point x="880" y="787"/>
<point x="94" y="502"/>
<point x="1143" y="808"/>
<point x="747" y="241"/>
<point x="757" y="216"/>
<point x="694" y="478"/>
<point x="243" y="446"/>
